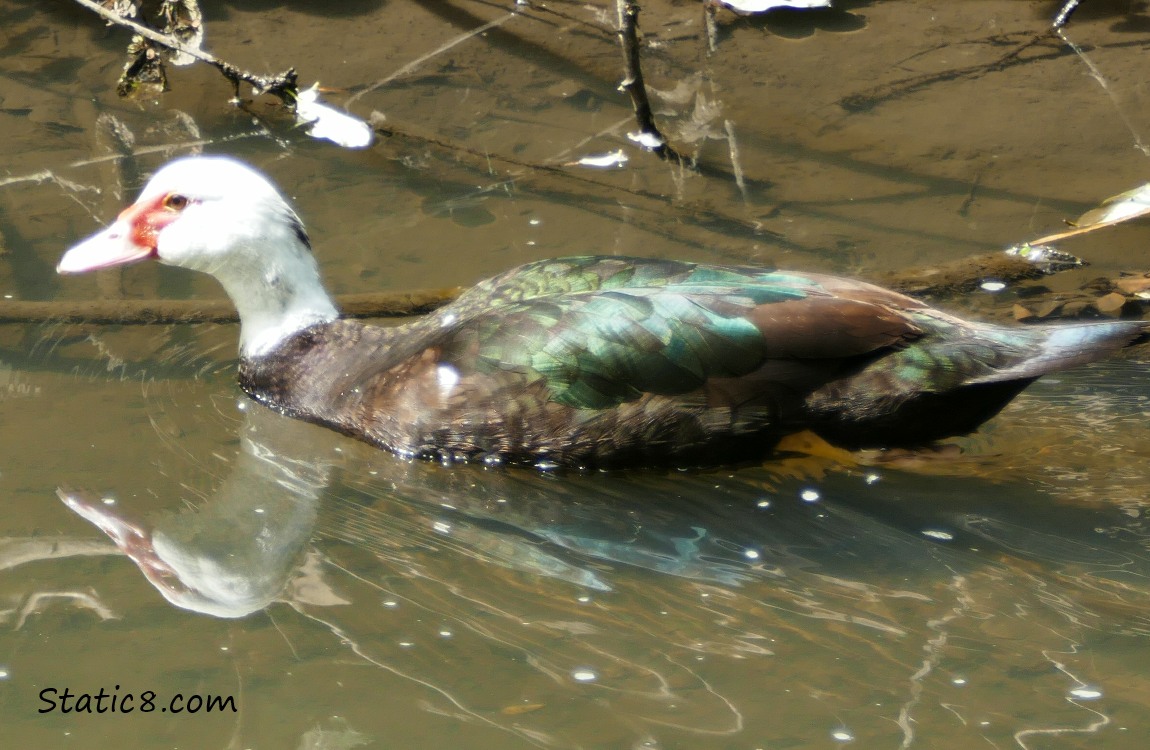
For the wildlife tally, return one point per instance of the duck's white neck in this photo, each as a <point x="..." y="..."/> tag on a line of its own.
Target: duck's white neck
<point x="283" y="299"/>
<point x="271" y="276"/>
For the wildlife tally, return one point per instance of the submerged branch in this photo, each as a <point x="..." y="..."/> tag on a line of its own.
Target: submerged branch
<point x="283" y="85"/>
<point x="161" y="311"/>
<point x="943" y="280"/>
<point x="865" y="101"/>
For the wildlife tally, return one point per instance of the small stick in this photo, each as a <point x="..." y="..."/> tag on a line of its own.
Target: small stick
<point x="1077" y="231"/>
<point x="449" y="44"/>
<point x="736" y="165"/>
<point x="712" y="27"/>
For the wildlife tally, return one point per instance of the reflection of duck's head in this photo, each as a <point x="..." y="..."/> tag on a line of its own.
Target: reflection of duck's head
<point x="180" y="579"/>
<point x="185" y="576"/>
<point x="235" y="553"/>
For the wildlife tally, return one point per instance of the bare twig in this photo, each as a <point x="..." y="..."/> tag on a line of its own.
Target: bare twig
<point x="711" y="27"/>
<point x="736" y="164"/>
<point x="648" y="135"/>
<point x="868" y="100"/>
<point x="283" y="85"/>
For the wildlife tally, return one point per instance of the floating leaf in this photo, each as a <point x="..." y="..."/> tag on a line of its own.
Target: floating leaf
<point x="1110" y="304"/>
<point x="613" y="159"/>
<point x="521" y="708"/>
<point x="1048" y="308"/>
<point x="1075" y="307"/>
<point x="1128" y="205"/>
<point x="1114" y="210"/>
<point x="1133" y="284"/>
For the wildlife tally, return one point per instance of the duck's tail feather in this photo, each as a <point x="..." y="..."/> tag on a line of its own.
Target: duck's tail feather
<point x="1049" y="349"/>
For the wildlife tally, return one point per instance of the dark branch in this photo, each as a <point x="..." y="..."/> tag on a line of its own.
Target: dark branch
<point x="649" y="136"/>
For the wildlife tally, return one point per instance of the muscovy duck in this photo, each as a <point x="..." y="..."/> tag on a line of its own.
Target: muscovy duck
<point x="596" y="361"/>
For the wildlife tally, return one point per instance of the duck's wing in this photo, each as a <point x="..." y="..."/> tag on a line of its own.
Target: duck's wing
<point x="600" y="348"/>
<point x="591" y="273"/>
<point x="574" y="275"/>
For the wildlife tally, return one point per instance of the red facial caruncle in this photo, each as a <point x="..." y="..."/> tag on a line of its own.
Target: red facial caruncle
<point x="147" y="218"/>
<point x="133" y="237"/>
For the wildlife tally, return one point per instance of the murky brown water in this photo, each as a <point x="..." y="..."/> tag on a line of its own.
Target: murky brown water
<point x="345" y="598"/>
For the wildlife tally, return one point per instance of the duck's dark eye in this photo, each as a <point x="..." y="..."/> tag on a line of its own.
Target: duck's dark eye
<point x="176" y="202"/>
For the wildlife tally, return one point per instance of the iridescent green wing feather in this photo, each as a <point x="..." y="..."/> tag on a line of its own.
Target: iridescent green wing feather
<point x="598" y="272"/>
<point x="595" y="351"/>
<point x="958" y="353"/>
<point x="600" y="347"/>
<point x="602" y="330"/>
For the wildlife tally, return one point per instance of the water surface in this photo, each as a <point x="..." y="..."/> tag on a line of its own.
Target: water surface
<point x="345" y="598"/>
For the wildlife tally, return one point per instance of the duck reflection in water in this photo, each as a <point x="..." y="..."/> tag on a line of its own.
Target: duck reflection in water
<point x="236" y="553"/>
<point x="481" y="587"/>
<point x="256" y="539"/>
<point x="248" y="545"/>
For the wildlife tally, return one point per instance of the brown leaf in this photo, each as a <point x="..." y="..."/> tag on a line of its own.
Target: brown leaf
<point x="1132" y="204"/>
<point x="1133" y="284"/>
<point x="521" y="708"/>
<point x="1048" y="308"/>
<point x="1111" y="304"/>
<point x="1074" y="307"/>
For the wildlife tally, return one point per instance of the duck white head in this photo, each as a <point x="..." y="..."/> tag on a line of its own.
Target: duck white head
<point x="219" y="216"/>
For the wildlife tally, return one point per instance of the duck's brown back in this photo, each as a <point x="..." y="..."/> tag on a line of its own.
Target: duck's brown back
<point x="613" y="362"/>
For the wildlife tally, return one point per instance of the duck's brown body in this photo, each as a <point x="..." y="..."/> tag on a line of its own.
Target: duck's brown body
<point x="856" y="363"/>
<point x="403" y="404"/>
